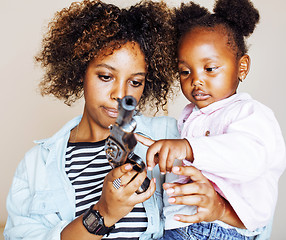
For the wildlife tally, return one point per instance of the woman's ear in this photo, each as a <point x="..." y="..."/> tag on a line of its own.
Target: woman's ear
<point x="243" y="68"/>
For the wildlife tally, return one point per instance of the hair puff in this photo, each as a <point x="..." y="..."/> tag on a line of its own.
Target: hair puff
<point x="238" y="18"/>
<point x="186" y="15"/>
<point x="239" y="13"/>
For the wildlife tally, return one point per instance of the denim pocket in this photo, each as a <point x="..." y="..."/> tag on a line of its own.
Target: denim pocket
<point x="44" y="209"/>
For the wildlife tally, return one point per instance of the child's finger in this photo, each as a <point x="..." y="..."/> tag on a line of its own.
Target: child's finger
<point x="151" y="160"/>
<point x="162" y="157"/>
<point x="144" y="140"/>
<point x="170" y="162"/>
<point x="153" y="155"/>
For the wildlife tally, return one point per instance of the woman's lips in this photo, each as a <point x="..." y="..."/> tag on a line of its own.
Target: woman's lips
<point x="111" y="112"/>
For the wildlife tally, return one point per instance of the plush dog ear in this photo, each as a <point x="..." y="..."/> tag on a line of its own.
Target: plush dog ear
<point x="244" y="66"/>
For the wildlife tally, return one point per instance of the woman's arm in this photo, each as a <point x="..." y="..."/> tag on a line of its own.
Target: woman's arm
<point x="211" y="206"/>
<point x="26" y="221"/>
<point x="113" y="204"/>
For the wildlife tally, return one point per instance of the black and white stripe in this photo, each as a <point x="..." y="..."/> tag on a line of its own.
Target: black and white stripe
<point x="86" y="167"/>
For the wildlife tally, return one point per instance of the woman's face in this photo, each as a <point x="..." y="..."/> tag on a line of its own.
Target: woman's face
<point x="208" y="67"/>
<point x="110" y="77"/>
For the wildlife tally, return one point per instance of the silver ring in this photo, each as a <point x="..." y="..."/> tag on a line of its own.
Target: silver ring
<point x="117" y="183"/>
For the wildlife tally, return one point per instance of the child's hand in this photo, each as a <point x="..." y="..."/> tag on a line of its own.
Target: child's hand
<point x="165" y="152"/>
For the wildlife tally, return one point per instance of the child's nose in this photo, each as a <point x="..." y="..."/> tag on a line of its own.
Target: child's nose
<point x="196" y="81"/>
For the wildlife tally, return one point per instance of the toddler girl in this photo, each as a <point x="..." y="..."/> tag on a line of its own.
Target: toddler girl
<point x="233" y="139"/>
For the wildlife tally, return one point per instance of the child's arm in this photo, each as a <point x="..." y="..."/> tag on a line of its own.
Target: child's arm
<point x="201" y="193"/>
<point x="164" y="152"/>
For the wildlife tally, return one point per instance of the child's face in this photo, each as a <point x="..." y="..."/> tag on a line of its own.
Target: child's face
<point x="110" y="77"/>
<point x="208" y="67"/>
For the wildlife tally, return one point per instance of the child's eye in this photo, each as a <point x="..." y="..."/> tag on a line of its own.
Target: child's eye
<point x="184" y="73"/>
<point x="211" y="69"/>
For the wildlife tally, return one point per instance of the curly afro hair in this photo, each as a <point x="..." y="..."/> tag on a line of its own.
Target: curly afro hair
<point x="77" y="34"/>
<point x="238" y="18"/>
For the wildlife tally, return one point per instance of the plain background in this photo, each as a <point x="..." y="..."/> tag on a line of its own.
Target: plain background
<point x="26" y="116"/>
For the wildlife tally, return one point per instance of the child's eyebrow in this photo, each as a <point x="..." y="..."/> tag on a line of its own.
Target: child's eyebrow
<point x="184" y="63"/>
<point x="181" y="61"/>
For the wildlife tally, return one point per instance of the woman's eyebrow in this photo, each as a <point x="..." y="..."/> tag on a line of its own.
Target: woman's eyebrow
<point x="139" y="74"/>
<point x="114" y="69"/>
<point x="106" y="66"/>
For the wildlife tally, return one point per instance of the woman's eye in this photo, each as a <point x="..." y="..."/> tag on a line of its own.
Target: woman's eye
<point x="104" y="77"/>
<point x="136" y="83"/>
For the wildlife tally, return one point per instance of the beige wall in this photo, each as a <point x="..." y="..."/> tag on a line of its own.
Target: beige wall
<point x="26" y="116"/>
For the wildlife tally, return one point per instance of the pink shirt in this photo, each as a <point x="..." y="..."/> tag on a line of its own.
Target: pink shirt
<point x="238" y="145"/>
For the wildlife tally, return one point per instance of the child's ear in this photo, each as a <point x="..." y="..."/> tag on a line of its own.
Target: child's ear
<point x="243" y="68"/>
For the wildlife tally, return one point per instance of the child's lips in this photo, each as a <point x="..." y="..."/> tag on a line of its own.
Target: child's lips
<point x="199" y="95"/>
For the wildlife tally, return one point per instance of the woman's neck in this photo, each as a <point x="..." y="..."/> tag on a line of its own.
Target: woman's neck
<point x="86" y="131"/>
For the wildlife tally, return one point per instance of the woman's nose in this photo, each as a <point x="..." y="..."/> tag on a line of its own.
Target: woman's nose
<point x="118" y="91"/>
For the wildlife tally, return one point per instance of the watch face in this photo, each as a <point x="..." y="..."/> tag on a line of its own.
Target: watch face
<point x="92" y="222"/>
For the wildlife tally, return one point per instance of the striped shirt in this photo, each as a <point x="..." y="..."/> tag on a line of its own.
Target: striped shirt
<point x="86" y="167"/>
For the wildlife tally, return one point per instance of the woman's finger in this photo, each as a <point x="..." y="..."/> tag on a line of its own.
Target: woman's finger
<point x="148" y="193"/>
<point x="136" y="182"/>
<point x="191" y="200"/>
<point x="119" y="172"/>
<point x="186" y="189"/>
<point x="169" y="185"/>
<point x="195" y="218"/>
<point x="191" y="172"/>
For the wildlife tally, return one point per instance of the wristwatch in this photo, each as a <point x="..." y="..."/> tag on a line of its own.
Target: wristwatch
<point x="94" y="223"/>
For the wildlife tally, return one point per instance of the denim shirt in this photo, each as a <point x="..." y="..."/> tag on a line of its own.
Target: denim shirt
<point x="41" y="200"/>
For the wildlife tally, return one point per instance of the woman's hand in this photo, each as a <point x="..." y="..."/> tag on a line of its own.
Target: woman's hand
<point x="201" y="193"/>
<point x="114" y="203"/>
